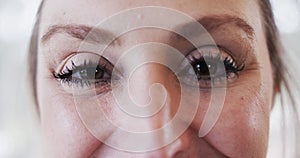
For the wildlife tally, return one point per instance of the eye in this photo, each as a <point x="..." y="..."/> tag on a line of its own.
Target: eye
<point x="85" y="73"/>
<point x="211" y="65"/>
<point x="86" y="70"/>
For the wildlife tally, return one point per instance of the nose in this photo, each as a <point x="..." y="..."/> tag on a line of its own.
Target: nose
<point x="154" y="87"/>
<point x="177" y="149"/>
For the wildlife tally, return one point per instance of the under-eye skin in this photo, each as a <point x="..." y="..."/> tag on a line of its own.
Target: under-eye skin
<point x="86" y="71"/>
<point x="210" y="66"/>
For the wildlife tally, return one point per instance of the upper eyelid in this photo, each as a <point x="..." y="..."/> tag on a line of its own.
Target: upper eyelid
<point x="68" y="62"/>
<point x="239" y="54"/>
<point x="218" y="47"/>
<point x="239" y="57"/>
<point x="236" y="53"/>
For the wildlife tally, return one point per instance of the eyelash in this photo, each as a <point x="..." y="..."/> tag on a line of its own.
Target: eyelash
<point x="229" y="64"/>
<point x="232" y="69"/>
<point x="208" y="64"/>
<point x="66" y="76"/>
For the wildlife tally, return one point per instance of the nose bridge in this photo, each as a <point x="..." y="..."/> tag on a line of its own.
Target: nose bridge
<point x="143" y="78"/>
<point x="152" y="85"/>
<point x="149" y="88"/>
<point x="143" y="90"/>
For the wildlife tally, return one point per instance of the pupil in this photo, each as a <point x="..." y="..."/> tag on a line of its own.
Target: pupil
<point x="99" y="73"/>
<point x="205" y="69"/>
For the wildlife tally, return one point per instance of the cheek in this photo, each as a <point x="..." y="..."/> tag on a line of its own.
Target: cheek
<point x="242" y="129"/>
<point x="67" y="135"/>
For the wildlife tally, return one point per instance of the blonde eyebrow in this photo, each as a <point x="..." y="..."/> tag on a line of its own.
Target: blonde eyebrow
<point x="216" y="21"/>
<point x="95" y="35"/>
<point x="213" y="22"/>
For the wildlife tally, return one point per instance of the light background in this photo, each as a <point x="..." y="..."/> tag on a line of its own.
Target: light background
<point x="19" y="134"/>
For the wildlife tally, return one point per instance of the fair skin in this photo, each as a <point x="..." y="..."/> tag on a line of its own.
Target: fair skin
<point x="243" y="126"/>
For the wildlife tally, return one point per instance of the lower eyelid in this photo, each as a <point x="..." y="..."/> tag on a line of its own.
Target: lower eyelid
<point x="92" y="89"/>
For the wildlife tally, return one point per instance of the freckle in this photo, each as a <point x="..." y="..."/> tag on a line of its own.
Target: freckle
<point x="64" y="13"/>
<point x="242" y="98"/>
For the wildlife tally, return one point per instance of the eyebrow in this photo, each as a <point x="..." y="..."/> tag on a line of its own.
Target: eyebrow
<point x="95" y="35"/>
<point x="214" y="22"/>
<point x="98" y="35"/>
<point x="211" y="23"/>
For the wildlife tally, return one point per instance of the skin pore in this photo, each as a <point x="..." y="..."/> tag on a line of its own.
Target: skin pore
<point x="242" y="128"/>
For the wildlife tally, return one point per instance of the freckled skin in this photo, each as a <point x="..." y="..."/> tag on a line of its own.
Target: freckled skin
<point x="241" y="130"/>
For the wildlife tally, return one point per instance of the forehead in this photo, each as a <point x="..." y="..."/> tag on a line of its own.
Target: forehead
<point x="91" y="12"/>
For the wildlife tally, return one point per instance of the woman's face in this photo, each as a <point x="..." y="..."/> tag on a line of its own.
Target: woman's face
<point x="236" y="26"/>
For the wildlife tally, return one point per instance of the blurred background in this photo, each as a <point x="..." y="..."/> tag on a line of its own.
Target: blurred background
<point x="19" y="132"/>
